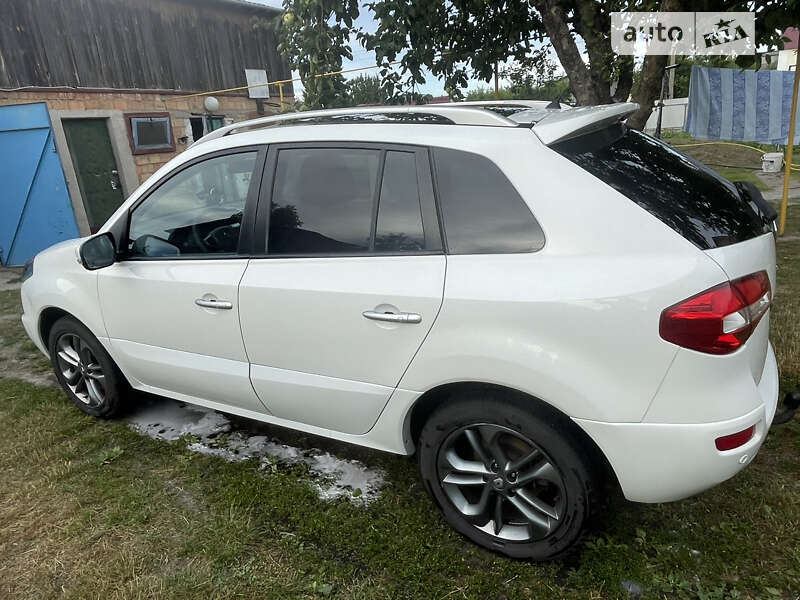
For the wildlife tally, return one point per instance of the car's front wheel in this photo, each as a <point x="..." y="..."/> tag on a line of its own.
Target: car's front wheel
<point x="85" y="370"/>
<point x="510" y="480"/>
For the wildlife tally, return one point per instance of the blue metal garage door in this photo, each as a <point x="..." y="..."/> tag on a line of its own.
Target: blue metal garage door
<point x="35" y="209"/>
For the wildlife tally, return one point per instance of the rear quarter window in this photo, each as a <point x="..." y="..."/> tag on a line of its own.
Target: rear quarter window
<point x="481" y="210"/>
<point x="684" y="194"/>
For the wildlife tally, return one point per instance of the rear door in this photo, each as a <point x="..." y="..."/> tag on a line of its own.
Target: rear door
<point x="350" y="282"/>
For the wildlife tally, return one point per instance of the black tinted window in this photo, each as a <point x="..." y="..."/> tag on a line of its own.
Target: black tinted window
<point x="322" y="201"/>
<point x="482" y="212"/>
<point x="399" y="227"/>
<point x="198" y="211"/>
<point x="684" y="194"/>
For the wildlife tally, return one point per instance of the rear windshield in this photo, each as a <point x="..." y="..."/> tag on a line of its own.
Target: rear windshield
<point x="693" y="200"/>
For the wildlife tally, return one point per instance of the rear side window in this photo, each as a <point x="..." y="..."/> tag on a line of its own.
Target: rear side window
<point x="351" y="201"/>
<point x="322" y="202"/>
<point x="687" y="196"/>
<point x="399" y="227"/>
<point x="481" y="210"/>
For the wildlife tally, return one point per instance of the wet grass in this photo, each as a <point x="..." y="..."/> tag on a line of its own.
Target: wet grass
<point x="90" y="509"/>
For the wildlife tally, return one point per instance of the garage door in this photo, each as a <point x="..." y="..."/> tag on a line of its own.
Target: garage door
<point x="35" y="209"/>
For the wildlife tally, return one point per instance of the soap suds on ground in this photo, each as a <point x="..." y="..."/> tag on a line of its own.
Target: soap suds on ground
<point x="212" y="433"/>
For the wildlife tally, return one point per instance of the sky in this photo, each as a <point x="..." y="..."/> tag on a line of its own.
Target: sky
<point x="362" y="58"/>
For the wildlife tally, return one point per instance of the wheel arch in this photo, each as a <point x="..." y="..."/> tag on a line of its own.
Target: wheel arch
<point x="48" y="318"/>
<point x="448" y="393"/>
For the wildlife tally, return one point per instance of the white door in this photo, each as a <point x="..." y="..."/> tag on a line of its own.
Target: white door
<point x="351" y="283"/>
<point x="171" y="305"/>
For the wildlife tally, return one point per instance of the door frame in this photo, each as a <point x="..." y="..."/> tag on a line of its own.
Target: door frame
<point x="117" y="133"/>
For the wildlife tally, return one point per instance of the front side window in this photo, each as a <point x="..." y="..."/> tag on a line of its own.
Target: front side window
<point x="196" y="212"/>
<point x="481" y="210"/>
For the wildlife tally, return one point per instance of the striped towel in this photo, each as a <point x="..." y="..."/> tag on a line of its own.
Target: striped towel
<point x="745" y="106"/>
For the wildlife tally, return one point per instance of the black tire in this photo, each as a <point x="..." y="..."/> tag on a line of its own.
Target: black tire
<point x="94" y="372"/>
<point x="490" y="413"/>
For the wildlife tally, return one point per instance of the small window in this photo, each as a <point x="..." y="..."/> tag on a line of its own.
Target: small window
<point x="150" y="133"/>
<point x="322" y="201"/>
<point x="481" y="210"/>
<point x="213" y="123"/>
<point x="196" y="212"/>
<point x="399" y="227"/>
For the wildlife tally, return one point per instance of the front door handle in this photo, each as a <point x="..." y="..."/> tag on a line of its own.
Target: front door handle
<point x="220" y="304"/>
<point x="402" y="317"/>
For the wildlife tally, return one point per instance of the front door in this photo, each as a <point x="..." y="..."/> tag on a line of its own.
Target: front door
<point x="351" y="283"/>
<point x="96" y="169"/>
<point x="171" y="306"/>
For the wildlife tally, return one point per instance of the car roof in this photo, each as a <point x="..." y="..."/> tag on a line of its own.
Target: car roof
<point x="551" y="123"/>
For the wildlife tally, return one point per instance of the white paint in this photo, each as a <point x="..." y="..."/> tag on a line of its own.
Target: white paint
<point x="332" y="477"/>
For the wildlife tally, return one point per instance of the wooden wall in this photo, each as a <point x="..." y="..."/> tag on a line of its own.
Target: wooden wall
<point x="192" y="45"/>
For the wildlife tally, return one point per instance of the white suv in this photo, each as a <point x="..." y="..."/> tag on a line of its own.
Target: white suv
<point x="523" y="296"/>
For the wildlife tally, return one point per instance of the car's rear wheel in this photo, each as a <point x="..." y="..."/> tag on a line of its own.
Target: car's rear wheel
<point x="85" y="370"/>
<point x="509" y="480"/>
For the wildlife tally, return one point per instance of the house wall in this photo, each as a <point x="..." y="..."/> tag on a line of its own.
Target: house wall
<point x="189" y="45"/>
<point x="114" y="106"/>
<point x="235" y="108"/>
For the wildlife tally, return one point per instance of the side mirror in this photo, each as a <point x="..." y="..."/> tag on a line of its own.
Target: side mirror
<point x="98" y="252"/>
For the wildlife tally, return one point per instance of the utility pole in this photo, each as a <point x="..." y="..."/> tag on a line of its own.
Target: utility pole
<point x="496" y="81"/>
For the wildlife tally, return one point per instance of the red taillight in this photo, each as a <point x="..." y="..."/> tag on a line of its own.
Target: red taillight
<point x="734" y="440"/>
<point x="719" y="320"/>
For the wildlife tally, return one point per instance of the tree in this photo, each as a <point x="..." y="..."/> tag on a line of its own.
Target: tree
<point x="459" y="39"/>
<point x="314" y="38"/>
<point x="367" y="89"/>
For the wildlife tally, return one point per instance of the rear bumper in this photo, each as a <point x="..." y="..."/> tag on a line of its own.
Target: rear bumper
<point x="661" y="462"/>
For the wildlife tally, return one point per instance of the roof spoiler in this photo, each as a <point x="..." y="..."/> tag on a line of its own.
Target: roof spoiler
<point x="560" y="126"/>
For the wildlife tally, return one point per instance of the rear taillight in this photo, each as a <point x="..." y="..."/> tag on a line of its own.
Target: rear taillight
<point x="719" y="320"/>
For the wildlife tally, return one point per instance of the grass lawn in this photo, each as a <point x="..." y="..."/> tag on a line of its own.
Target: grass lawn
<point x="732" y="161"/>
<point x="91" y="509"/>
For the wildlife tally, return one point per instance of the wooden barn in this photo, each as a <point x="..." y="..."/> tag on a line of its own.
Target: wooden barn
<point x="93" y="100"/>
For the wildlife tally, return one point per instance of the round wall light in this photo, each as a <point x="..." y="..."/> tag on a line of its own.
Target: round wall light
<point x="211" y="104"/>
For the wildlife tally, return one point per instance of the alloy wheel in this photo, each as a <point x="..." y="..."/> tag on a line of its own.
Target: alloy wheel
<point x="81" y="370"/>
<point x="501" y="482"/>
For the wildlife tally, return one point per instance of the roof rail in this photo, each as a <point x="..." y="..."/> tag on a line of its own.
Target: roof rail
<point x="447" y="113"/>
<point x="510" y="103"/>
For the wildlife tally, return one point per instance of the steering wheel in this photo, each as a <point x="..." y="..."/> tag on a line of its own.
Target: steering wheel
<point x="199" y="240"/>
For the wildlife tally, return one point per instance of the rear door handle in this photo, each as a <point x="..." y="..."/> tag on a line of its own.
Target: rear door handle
<point x="220" y="304"/>
<point x="402" y="317"/>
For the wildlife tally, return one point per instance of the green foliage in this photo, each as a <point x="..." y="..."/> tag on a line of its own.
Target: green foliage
<point x="367" y="89"/>
<point x="455" y="40"/>
<point x="314" y="38"/>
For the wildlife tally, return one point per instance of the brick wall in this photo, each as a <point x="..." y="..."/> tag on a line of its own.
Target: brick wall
<point x="237" y="108"/>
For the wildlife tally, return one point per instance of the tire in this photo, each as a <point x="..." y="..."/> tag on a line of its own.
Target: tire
<point x="557" y="477"/>
<point x="86" y="372"/>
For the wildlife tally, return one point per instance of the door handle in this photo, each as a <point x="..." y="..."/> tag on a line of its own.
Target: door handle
<point x="220" y="304"/>
<point x="402" y="317"/>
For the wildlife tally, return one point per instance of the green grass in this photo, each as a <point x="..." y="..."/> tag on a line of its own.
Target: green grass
<point x="90" y="509"/>
<point x="730" y="160"/>
<point x="741" y="174"/>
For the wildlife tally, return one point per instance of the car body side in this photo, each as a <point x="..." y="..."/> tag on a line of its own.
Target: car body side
<point x="574" y="325"/>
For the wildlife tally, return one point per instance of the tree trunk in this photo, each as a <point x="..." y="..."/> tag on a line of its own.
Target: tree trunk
<point x="649" y="88"/>
<point x="624" y="78"/>
<point x="648" y="91"/>
<point x="580" y="80"/>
